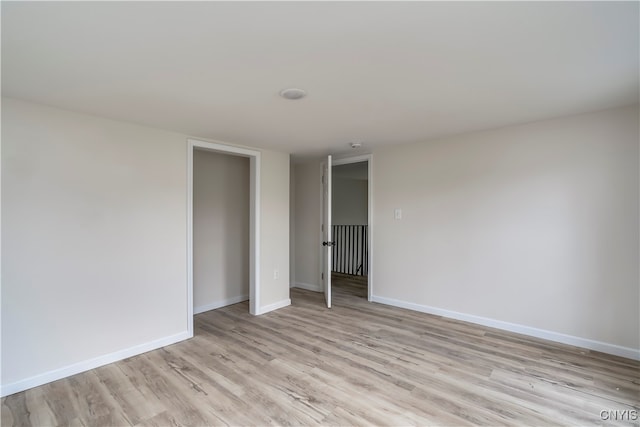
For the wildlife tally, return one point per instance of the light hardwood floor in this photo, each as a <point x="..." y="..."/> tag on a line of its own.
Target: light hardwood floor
<point x="356" y="364"/>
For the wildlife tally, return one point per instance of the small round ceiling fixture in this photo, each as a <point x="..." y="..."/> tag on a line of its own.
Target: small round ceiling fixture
<point x="293" y="93"/>
<point x="356" y="144"/>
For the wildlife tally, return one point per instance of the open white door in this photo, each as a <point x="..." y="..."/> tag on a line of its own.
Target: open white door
<point x="327" y="244"/>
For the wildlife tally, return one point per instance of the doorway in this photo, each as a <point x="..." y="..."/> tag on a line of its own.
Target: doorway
<point x="347" y="214"/>
<point x="350" y="225"/>
<point x="220" y="230"/>
<point x="197" y="155"/>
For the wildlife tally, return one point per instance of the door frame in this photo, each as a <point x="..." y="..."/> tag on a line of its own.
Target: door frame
<point x="326" y="235"/>
<point x="254" y="220"/>
<point x="359" y="159"/>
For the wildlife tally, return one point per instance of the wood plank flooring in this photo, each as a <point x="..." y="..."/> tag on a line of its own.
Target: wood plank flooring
<point x="357" y="364"/>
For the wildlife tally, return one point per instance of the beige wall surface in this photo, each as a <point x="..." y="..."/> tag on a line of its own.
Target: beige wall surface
<point x="220" y="229"/>
<point x="349" y="201"/>
<point x="292" y="224"/>
<point x="93" y="237"/>
<point x="94" y="240"/>
<point x="274" y="240"/>
<point x="537" y="225"/>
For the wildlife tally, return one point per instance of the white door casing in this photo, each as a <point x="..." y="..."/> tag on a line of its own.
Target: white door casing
<point x="254" y="221"/>
<point x="327" y="248"/>
<point x="369" y="159"/>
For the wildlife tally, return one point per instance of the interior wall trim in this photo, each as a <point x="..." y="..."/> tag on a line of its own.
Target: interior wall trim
<point x="276" y="305"/>
<point x="307" y="286"/>
<point x="220" y="304"/>
<point x="89" y="364"/>
<point x="617" y="350"/>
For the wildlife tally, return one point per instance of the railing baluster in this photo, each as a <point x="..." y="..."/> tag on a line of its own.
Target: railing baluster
<point x="351" y="250"/>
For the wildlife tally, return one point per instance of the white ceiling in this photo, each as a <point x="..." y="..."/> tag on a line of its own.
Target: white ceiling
<point x="377" y="72"/>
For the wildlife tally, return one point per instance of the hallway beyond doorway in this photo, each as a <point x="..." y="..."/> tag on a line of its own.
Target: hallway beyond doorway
<point x="349" y="286"/>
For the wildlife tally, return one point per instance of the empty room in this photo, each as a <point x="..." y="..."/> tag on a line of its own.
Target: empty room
<point x="320" y="213"/>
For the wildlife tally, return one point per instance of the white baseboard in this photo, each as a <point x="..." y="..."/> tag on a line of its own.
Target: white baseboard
<point x="629" y="353"/>
<point x="219" y="304"/>
<point x="276" y="305"/>
<point x="86" y="365"/>
<point x="308" y="286"/>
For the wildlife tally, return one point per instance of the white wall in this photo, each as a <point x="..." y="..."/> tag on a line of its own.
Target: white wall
<point x="292" y="225"/>
<point x="94" y="240"/>
<point x="93" y="232"/>
<point x="535" y="225"/>
<point x="350" y="202"/>
<point x="274" y="238"/>
<point x="307" y="225"/>
<point x="220" y="230"/>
